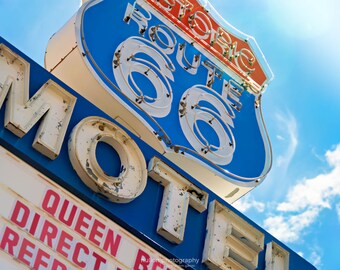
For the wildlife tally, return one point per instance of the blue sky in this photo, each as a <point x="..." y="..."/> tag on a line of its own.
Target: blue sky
<point x="299" y="201"/>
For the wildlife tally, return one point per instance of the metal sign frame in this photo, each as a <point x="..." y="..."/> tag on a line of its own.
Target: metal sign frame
<point x="200" y="112"/>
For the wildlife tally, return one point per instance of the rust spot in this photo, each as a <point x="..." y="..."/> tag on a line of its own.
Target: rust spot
<point x="60" y="124"/>
<point x="90" y="172"/>
<point x="196" y="194"/>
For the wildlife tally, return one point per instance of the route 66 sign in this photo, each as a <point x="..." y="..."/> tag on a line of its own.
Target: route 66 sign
<point x="172" y="74"/>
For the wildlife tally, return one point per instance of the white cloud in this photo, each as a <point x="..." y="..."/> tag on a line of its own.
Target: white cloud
<point x="315" y="259"/>
<point x="288" y="126"/>
<point x="284" y="149"/>
<point x="305" y="201"/>
<point x="338" y="211"/>
<point x="300" y="253"/>
<point x="248" y="202"/>
<point x="333" y="157"/>
<point x="318" y="191"/>
<point x="289" y="228"/>
<point x="316" y="256"/>
<point x="280" y="138"/>
<point x="280" y="228"/>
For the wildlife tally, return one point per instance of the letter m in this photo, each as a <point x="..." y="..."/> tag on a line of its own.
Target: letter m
<point x="51" y="103"/>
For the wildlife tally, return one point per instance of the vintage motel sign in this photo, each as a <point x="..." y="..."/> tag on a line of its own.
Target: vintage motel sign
<point x="148" y="215"/>
<point x="174" y="75"/>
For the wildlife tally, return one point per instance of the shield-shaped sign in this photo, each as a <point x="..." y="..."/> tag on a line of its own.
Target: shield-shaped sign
<point x="178" y="76"/>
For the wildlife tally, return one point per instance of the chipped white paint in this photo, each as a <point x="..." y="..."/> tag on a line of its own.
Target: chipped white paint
<point x="231" y="242"/>
<point x="277" y="258"/>
<point x="82" y="150"/>
<point x="129" y="61"/>
<point x="185" y="63"/>
<point x="51" y="102"/>
<point x="196" y="104"/>
<point x="139" y="17"/>
<point x="178" y="194"/>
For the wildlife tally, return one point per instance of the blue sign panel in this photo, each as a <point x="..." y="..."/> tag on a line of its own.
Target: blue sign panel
<point x="199" y="245"/>
<point x="201" y="112"/>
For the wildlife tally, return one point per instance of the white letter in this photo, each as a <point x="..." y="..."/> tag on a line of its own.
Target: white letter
<point x="200" y="25"/>
<point x="139" y="56"/>
<point x="136" y="14"/>
<point x="245" y="61"/>
<point x="190" y="68"/>
<point x="82" y="150"/>
<point x="22" y="113"/>
<point x="231" y="242"/>
<point x="178" y="194"/>
<point x="277" y="258"/>
<point x="202" y="104"/>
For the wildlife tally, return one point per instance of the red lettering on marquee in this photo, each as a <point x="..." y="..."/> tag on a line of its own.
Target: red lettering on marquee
<point x="58" y="265"/>
<point x="39" y="259"/>
<point x="64" y="244"/>
<point x="157" y="265"/>
<point x="62" y="216"/>
<point x="48" y="233"/>
<point x="56" y="238"/>
<point x="96" y="232"/>
<point x="9" y="241"/>
<point x="20" y="214"/>
<point x="112" y="243"/>
<point x="51" y="202"/>
<point x="99" y="261"/>
<point x="82" y="222"/>
<point x="76" y="254"/>
<point x="26" y="249"/>
<point x="59" y="240"/>
<point x="34" y="224"/>
<point x="145" y="262"/>
<point x="142" y="260"/>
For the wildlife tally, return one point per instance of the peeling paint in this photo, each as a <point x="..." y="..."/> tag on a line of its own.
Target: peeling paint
<point x="178" y="194"/>
<point x="82" y="148"/>
<point x="231" y="242"/>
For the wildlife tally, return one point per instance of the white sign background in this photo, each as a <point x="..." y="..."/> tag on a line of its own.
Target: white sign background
<point x="20" y="184"/>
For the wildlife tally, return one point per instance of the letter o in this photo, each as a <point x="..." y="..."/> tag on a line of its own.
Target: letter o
<point x="82" y="151"/>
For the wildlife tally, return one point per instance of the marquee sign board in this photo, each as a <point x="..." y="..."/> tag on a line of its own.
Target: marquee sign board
<point x="177" y="220"/>
<point x="45" y="227"/>
<point x="176" y="77"/>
